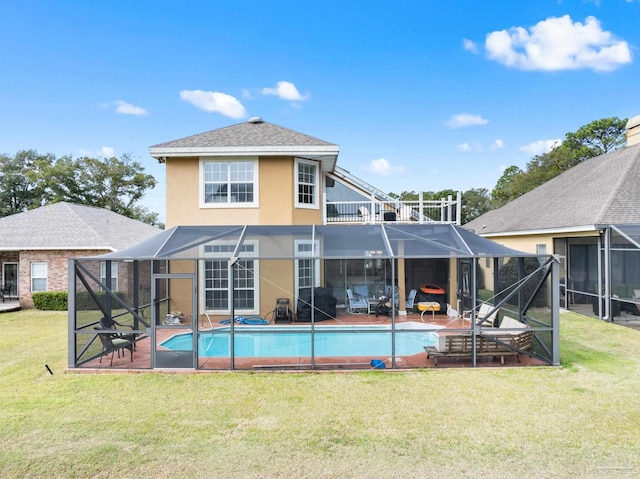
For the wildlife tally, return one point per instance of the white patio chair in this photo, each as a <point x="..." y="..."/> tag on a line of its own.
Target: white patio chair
<point x="356" y="303"/>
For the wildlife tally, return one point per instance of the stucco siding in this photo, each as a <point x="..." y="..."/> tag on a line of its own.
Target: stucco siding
<point x="275" y="202"/>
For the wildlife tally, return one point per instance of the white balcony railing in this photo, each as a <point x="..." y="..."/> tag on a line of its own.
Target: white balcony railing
<point x="445" y="210"/>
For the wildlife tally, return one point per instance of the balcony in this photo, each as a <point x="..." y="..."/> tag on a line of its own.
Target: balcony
<point x="443" y="211"/>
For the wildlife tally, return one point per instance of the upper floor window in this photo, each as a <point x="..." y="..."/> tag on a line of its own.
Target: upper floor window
<point x="541" y="249"/>
<point x="39" y="274"/>
<point x="307" y="180"/>
<point x="229" y="183"/>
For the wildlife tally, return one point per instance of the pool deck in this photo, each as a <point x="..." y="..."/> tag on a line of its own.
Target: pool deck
<point x="142" y="355"/>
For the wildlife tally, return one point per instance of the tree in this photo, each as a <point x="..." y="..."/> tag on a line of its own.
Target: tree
<point x="591" y="140"/>
<point x="475" y="202"/>
<point x="596" y="138"/>
<point x="30" y="180"/>
<point x="116" y="184"/>
<point x="504" y="190"/>
<point x="20" y="188"/>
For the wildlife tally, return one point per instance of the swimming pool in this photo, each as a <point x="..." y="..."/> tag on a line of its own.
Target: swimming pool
<point x="295" y="341"/>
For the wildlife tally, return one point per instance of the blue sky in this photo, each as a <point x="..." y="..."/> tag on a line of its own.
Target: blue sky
<point x="419" y="95"/>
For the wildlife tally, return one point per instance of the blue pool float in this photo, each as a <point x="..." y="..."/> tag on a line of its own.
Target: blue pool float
<point x="254" y="320"/>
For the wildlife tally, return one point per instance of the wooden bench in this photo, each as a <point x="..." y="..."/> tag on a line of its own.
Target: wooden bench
<point x="489" y="345"/>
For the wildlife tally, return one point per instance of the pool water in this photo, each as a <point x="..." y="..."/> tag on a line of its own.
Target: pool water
<point x="295" y="341"/>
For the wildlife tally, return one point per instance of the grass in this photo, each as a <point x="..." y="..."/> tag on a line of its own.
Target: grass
<point x="578" y="421"/>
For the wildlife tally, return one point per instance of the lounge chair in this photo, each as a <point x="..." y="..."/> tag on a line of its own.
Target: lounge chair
<point x="356" y="303"/>
<point x="494" y="343"/>
<point x="411" y="299"/>
<point x="112" y="343"/>
<point x="486" y="314"/>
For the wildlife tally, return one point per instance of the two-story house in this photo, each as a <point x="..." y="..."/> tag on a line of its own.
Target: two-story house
<point x="258" y="173"/>
<point x="260" y="216"/>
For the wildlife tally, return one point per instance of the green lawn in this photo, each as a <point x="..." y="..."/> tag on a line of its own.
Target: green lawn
<point x="581" y="420"/>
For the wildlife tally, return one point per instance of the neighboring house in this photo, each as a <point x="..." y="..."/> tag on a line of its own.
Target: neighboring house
<point x="590" y="217"/>
<point x="35" y="245"/>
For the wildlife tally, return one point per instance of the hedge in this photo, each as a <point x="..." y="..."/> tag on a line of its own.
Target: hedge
<point x="50" y="300"/>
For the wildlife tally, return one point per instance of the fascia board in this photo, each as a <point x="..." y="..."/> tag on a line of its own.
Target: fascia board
<point x="573" y="229"/>
<point x="327" y="155"/>
<point x="245" y="150"/>
<point x="58" y="248"/>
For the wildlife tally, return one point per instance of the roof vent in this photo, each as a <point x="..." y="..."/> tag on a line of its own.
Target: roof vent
<point x="255" y="119"/>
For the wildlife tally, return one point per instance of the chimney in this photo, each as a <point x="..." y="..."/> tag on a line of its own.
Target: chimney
<point x="633" y="131"/>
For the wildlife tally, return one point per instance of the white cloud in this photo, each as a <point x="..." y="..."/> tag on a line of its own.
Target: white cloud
<point x="104" y="152"/>
<point x="541" y="146"/>
<point x="469" y="45"/>
<point x="107" y="152"/>
<point x="383" y="168"/>
<point x="465" y="119"/>
<point x="497" y="144"/>
<point x="214" y="101"/>
<point x="286" y="91"/>
<point x="558" y="44"/>
<point x="468" y="147"/>
<point x="129" y="109"/>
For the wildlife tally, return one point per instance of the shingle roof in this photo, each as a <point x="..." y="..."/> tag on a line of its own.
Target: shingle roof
<point x="249" y="133"/>
<point x="251" y="138"/>
<point x="600" y="191"/>
<point x="70" y="226"/>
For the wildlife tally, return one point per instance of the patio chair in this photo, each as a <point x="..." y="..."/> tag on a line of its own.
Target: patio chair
<point x="356" y="302"/>
<point x="5" y="291"/>
<point x="405" y="213"/>
<point x="411" y="299"/>
<point x="107" y="322"/>
<point x="112" y="343"/>
<point x="363" y="212"/>
<point x="482" y="315"/>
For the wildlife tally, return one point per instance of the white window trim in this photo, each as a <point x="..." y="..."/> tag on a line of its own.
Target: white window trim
<point x="541" y="249"/>
<point x="316" y="187"/>
<point x="114" y="274"/>
<point x="256" y="187"/>
<point x="256" y="274"/>
<point x="305" y="254"/>
<point x="46" y="277"/>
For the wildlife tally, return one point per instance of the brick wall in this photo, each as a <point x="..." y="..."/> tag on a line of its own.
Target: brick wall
<point x="57" y="264"/>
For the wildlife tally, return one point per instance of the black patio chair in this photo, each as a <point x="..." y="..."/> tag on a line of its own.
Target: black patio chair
<point x="112" y="343"/>
<point x="5" y="291"/>
<point x="107" y="322"/>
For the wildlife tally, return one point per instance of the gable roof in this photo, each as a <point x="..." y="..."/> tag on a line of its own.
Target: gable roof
<point x="253" y="137"/>
<point x="71" y="226"/>
<point x="599" y="191"/>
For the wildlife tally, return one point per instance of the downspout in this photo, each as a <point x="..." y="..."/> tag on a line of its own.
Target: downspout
<point x="324" y="199"/>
